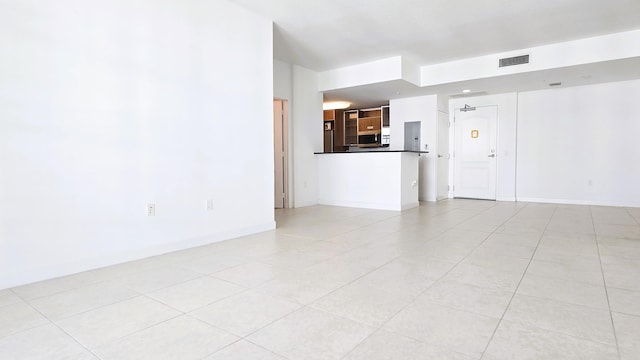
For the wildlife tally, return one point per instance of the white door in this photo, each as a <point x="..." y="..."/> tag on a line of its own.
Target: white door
<point x="443" y="156"/>
<point x="475" y="154"/>
<point x="279" y="153"/>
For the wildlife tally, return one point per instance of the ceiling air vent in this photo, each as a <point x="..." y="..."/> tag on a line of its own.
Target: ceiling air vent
<point x="479" y="93"/>
<point x="516" y="60"/>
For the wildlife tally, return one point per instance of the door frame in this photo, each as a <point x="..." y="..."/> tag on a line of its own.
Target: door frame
<point x="282" y="125"/>
<point x="439" y="152"/>
<point x="453" y="166"/>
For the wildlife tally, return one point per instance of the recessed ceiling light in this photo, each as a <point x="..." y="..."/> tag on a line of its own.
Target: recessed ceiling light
<point x="332" y="105"/>
<point x="466" y="91"/>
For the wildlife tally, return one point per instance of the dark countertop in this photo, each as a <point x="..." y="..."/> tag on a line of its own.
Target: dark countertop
<point x="372" y="151"/>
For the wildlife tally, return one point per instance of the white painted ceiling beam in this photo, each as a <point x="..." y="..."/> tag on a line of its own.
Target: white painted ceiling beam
<point x="571" y="53"/>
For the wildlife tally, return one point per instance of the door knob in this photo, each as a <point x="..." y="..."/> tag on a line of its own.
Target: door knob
<point x="492" y="155"/>
<point x="440" y="156"/>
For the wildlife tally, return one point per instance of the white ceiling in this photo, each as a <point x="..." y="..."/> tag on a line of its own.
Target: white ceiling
<point x="328" y="34"/>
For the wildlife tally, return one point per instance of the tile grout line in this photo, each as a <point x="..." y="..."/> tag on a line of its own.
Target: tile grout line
<point x="55" y="324"/>
<point x="240" y="337"/>
<point x="604" y="281"/>
<point x="146" y="295"/>
<point x="181" y="313"/>
<point x="111" y="279"/>
<point x="633" y="217"/>
<point x="380" y="327"/>
<point x="436" y="281"/>
<point x="308" y="306"/>
<point x="61" y="291"/>
<point x="377" y="328"/>
<point x="137" y="295"/>
<point x="258" y="345"/>
<point x="519" y="282"/>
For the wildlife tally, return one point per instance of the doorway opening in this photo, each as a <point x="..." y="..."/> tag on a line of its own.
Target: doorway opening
<point x="280" y="153"/>
<point x="475" y="156"/>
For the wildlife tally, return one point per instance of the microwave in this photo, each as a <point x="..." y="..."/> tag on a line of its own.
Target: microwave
<point x="369" y="140"/>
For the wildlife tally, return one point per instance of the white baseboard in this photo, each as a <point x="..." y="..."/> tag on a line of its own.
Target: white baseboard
<point x="369" y="205"/>
<point x="305" y="204"/>
<point x="81" y="265"/>
<point x="410" y="205"/>
<point x="580" y="202"/>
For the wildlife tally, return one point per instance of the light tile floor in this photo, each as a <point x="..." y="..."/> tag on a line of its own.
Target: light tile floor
<point x="460" y="279"/>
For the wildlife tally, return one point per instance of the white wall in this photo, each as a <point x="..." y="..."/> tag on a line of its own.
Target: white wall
<point x="507" y="124"/>
<point x="570" y="53"/>
<point x="108" y="105"/>
<point x="362" y="74"/>
<point x="300" y="86"/>
<point x="425" y="110"/>
<point x="570" y="145"/>
<point x="282" y="80"/>
<point x="580" y="145"/>
<point x="307" y="129"/>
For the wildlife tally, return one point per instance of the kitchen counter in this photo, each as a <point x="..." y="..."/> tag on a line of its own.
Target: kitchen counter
<point x="385" y="180"/>
<point x="366" y="150"/>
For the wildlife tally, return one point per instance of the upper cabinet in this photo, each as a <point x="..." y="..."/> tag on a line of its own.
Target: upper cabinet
<point x="367" y="127"/>
<point x="370" y="121"/>
<point x="385" y="116"/>
<point x="329" y="115"/>
<point x="351" y="127"/>
<point x="362" y="128"/>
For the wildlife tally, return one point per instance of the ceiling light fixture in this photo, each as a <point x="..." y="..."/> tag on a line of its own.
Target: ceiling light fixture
<point x="466" y="91"/>
<point x="333" y="105"/>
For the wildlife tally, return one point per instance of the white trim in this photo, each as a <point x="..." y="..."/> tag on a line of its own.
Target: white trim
<point x="580" y="202"/>
<point x="305" y="204"/>
<point x="59" y="270"/>
<point x="371" y="205"/>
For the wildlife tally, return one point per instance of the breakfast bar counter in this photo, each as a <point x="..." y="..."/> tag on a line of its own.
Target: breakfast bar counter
<point x="385" y="180"/>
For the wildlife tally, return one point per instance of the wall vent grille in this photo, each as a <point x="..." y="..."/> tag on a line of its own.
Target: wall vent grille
<point x="516" y="60"/>
<point x="479" y="93"/>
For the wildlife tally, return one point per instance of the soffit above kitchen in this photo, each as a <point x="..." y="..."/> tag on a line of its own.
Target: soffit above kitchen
<point x="332" y="36"/>
<point x="328" y="34"/>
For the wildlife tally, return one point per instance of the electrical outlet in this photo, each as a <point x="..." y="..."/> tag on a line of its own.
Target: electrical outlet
<point x="151" y="209"/>
<point x="210" y="204"/>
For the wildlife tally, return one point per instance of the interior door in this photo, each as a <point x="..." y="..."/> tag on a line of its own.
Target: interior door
<point x="279" y="161"/>
<point x="475" y="152"/>
<point x="443" y="156"/>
